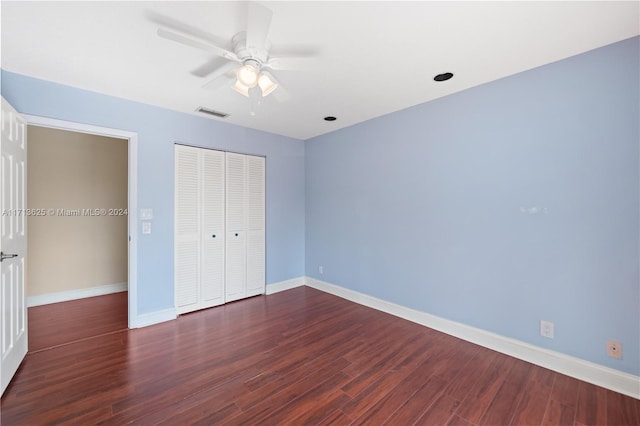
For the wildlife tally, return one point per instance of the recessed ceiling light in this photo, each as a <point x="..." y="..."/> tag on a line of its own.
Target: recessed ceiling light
<point x="329" y="118"/>
<point x="443" y="77"/>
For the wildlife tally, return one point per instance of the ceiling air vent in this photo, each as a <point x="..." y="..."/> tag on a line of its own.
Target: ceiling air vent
<point x="212" y="112"/>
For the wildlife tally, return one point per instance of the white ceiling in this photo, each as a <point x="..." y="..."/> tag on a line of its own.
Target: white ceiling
<point x="374" y="57"/>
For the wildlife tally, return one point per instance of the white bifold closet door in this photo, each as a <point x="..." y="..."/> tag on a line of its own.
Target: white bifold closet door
<point x="212" y="232"/>
<point x="245" y="257"/>
<point x="236" y="260"/>
<point x="199" y="229"/>
<point x="219" y="227"/>
<point x="255" y="226"/>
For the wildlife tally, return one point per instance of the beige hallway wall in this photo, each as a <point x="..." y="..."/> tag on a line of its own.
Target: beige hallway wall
<point x="69" y="249"/>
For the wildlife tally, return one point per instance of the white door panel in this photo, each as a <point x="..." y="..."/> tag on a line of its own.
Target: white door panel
<point x="235" y="266"/>
<point x="13" y="243"/>
<point x="236" y="222"/>
<point x="187" y="229"/>
<point x="213" y="229"/>
<point x="255" y="263"/>
<point x="256" y="225"/>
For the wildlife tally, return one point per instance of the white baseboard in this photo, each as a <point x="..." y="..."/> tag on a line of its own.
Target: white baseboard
<point x="285" y="285"/>
<point x="151" y="318"/>
<point x="64" y="296"/>
<point x="606" y="377"/>
<point x="156" y="317"/>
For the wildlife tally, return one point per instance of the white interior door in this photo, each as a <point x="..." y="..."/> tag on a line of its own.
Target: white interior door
<point x="13" y="243"/>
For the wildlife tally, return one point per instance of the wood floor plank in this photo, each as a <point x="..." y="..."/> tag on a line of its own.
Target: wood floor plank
<point x="411" y="349"/>
<point x="337" y="418"/>
<point x="452" y="362"/>
<point x="592" y="405"/>
<point x="565" y="390"/>
<point x="505" y="403"/>
<point x="400" y="394"/>
<point x="557" y="413"/>
<point x="621" y="409"/>
<point x="434" y="416"/>
<point x="503" y="406"/>
<point x="456" y="420"/>
<point x="296" y="357"/>
<point x="402" y="367"/>
<point x="484" y="391"/>
<point x="305" y="356"/>
<point x="460" y="386"/>
<point x="530" y="410"/>
<point x="323" y="409"/>
<point x="272" y="403"/>
<point x="418" y="403"/>
<point x="275" y="381"/>
<point x="196" y="407"/>
<point x="306" y="401"/>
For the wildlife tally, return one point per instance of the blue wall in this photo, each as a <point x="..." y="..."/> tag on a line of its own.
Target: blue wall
<point x="497" y="207"/>
<point x="157" y="130"/>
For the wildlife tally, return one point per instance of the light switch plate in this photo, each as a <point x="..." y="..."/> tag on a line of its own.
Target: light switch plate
<point x="146" y="227"/>
<point x="146" y="214"/>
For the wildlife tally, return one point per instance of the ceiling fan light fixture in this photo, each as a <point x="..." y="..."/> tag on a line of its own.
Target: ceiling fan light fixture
<point x="241" y="88"/>
<point x="267" y="83"/>
<point x="247" y="75"/>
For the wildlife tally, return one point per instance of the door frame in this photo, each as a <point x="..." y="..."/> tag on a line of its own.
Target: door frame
<point x="132" y="183"/>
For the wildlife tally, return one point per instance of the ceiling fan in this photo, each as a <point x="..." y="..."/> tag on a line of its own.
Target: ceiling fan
<point x="247" y="66"/>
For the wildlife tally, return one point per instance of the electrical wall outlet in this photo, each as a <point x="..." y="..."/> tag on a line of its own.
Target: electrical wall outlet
<point x="320" y="270"/>
<point x="546" y="329"/>
<point x="614" y="349"/>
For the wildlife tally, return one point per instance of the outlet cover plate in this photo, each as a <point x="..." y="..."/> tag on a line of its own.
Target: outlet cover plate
<point x="546" y="329"/>
<point x="614" y="349"/>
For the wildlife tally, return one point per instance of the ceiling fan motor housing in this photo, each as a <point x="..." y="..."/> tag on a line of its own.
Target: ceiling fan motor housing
<point x="250" y="55"/>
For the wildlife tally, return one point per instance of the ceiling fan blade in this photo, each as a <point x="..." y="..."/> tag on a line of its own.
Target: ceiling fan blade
<point x="289" y="63"/>
<point x="258" y="23"/>
<point x="224" y="75"/>
<point x="281" y="94"/>
<point x="210" y="67"/>
<point x="218" y="82"/>
<point x="207" y="47"/>
<point x="293" y="51"/>
<point x="181" y="27"/>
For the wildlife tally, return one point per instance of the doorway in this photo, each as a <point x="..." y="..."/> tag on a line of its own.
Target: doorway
<point x="129" y="216"/>
<point x="76" y="269"/>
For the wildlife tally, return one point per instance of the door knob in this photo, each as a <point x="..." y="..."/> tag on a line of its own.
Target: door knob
<point x="6" y="256"/>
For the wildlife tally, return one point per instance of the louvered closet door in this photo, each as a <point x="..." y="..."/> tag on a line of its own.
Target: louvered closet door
<point x="255" y="225"/>
<point x="187" y="228"/>
<point x="236" y="214"/>
<point x="213" y="228"/>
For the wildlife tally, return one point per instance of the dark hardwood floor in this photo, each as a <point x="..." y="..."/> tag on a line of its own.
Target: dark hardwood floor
<point x="61" y="323"/>
<point x="296" y="357"/>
